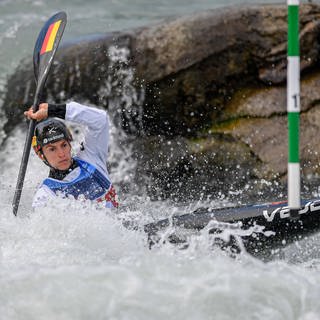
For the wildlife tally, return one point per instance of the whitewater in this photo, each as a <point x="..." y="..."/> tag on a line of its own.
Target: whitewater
<point x="73" y="261"/>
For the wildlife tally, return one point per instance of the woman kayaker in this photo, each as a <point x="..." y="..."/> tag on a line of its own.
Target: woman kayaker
<point x="84" y="174"/>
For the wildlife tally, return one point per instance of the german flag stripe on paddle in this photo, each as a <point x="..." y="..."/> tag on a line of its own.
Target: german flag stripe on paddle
<point x="50" y="37"/>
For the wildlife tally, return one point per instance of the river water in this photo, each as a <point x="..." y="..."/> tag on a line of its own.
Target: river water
<point x="71" y="261"/>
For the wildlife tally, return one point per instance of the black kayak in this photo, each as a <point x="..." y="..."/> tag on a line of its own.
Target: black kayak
<point x="279" y="227"/>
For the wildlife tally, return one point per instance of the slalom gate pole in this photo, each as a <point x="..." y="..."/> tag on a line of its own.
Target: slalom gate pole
<point x="293" y="108"/>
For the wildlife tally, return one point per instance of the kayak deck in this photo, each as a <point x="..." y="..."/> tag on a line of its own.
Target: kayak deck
<point x="279" y="228"/>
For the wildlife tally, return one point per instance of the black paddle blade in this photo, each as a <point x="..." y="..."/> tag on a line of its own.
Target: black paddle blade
<point x="46" y="46"/>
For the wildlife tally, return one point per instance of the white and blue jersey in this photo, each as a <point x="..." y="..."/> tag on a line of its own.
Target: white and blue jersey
<point x="90" y="177"/>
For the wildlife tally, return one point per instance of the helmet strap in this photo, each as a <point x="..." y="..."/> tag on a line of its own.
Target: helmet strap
<point x="43" y="158"/>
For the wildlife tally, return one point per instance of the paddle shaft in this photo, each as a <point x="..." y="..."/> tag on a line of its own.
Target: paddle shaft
<point x="25" y="156"/>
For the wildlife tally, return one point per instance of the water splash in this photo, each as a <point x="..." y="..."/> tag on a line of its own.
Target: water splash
<point x="124" y="101"/>
<point x="120" y="92"/>
<point x="69" y="263"/>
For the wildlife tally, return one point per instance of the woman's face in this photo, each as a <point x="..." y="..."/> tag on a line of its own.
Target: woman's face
<point x="58" y="154"/>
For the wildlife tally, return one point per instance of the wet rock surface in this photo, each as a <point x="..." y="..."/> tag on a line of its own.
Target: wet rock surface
<point x="207" y="96"/>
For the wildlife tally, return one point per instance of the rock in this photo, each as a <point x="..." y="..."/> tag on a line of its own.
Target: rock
<point x="205" y="95"/>
<point x="261" y="123"/>
<point x="187" y="65"/>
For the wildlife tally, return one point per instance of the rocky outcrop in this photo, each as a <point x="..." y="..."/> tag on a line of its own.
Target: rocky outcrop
<point x="205" y="95"/>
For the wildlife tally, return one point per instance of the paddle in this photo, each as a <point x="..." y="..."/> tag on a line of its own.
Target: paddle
<point x="43" y="55"/>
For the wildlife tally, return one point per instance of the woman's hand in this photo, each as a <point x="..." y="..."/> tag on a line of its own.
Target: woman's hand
<point x="41" y="114"/>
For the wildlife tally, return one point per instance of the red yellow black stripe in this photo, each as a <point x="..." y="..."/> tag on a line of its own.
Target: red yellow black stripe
<point x="50" y="37"/>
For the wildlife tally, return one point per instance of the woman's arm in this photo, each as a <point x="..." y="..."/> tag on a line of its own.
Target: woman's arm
<point x="95" y="147"/>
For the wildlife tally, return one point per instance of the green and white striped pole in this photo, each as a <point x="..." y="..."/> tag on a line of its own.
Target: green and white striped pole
<point x="293" y="107"/>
